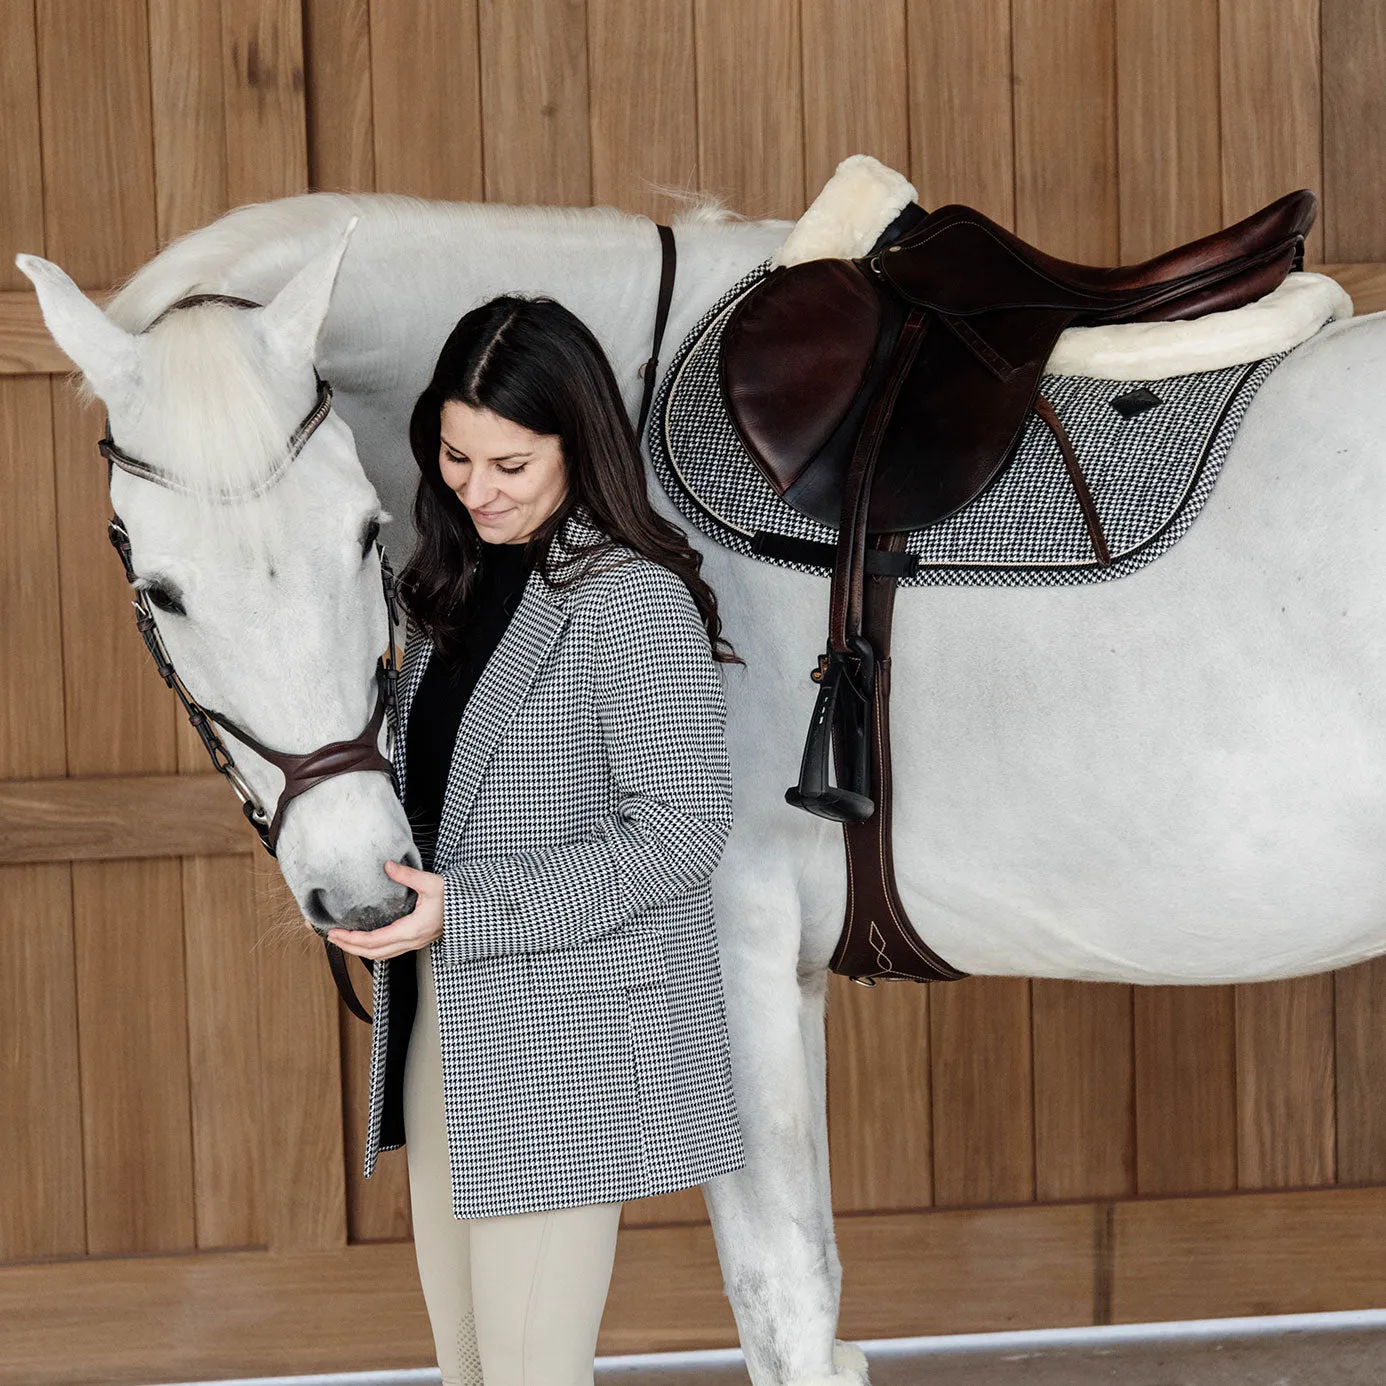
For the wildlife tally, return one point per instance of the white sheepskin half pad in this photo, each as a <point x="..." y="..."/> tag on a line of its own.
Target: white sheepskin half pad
<point x="843" y="222"/>
<point x="1283" y="318"/>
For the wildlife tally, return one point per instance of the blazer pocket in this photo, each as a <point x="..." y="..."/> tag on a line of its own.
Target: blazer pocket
<point x="633" y="957"/>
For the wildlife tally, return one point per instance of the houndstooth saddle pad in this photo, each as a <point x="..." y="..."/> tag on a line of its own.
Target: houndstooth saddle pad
<point x="1151" y="452"/>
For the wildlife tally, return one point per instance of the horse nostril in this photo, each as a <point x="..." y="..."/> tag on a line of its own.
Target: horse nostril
<point x="317" y="910"/>
<point x="411" y="898"/>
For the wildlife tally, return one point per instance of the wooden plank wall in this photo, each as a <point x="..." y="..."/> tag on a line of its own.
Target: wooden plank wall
<point x="179" y="1077"/>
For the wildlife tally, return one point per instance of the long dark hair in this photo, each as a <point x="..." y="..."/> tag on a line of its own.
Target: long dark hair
<point x="532" y="361"/>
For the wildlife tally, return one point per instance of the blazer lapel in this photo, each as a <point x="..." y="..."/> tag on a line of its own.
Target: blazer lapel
<point x="514" y="665"/>
<point x="506" y="679"/>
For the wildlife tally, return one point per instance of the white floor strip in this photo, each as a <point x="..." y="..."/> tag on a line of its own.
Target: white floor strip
<point x="953" y="1345"/>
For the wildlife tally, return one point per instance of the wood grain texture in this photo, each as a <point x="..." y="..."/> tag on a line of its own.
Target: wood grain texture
<point x="983" y="1086"/>
<point x="1280" y="1253"/>
<point x="1271" y="107"/>
<point x="337" y="63"/>
<point x="1085" y="1128"/>
<point x="880" y="1117"/>
<point x="104" y="817"/>
<point x="853" y="49"/>
<point x="265" y="112"/>
<point x="21" y="173"/>
<point x="1285" y="1084"/>
<point x="1353" y="34"/>
<point x="188" y="114"/>
<point x="426" y="116"/>
<point x="1359" y="1039"/>
<point x="1065" y="149"/>
<point x="120" y="715"/>
<point x="961" y="143"/>
<point x="1168" y="146"/>
<point x="643" y="89"/>
<point x="25" y="346"/>
<point x="300" y="1133"/>
<point x="750" y="105"/>
<point x="98" y="167"/>
<point x="43" y="1211"/>
<point x="132" y="1004"/>
<point x="223" y="1051"/>
<point x="1186" y="1090"/>
<point x="1366" y="284"/>
<point x="32" y="739"/>
<point x="534" y="101"/>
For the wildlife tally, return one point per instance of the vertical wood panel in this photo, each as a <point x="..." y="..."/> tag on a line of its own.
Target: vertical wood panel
<point x="1285" y="1136"/>
<point x="1084" y="1091"/>
<point x="983" y="1118"/>
<point x="1186" y="1090"/>
<point x="426" y="117"/>
<point x="880" y="1129"/>
<point x="750" y="105"/>
<point x="98" y="173"/>
<point x="534" y="101"/>
<point x="1271" y="106"/>
<point x="1360" y="1035"/>
<point x="1354" y="129"/>
<point x="856" y="89"/>
<point x="643" y="98"/>
<point x="134" y="1056"/>
<point x="42" y="1212"/>
<point x="1167" y="120"/>
<point x="301" y="1080"/>
<point x="21" y="177"/>
<point x="961" y="143"/>
<point x="1065" y="127"/>
<point x="223" y="1050"/>
<point x="189" y="124"/>
<point x="337" y="59"/>
<point x="266" y="120"/>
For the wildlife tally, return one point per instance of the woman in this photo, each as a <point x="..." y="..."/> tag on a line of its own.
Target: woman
<point x="560" y="750"/>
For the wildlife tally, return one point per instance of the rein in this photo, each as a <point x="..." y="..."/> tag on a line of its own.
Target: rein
<point x="301" y="771"/>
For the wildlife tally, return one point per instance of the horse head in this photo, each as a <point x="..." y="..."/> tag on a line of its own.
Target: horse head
<point x="252" y="533"/>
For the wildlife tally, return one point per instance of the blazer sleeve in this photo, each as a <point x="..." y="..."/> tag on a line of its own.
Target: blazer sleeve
<point x="663" y="716"/>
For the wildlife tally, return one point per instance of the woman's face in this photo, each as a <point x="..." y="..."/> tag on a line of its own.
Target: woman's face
<point x="510" y="479"/>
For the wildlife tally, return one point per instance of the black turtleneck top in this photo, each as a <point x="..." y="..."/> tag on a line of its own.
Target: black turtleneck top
<point x="446" y="685"/>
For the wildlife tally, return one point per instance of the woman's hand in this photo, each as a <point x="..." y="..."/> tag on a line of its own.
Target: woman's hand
<point x="417" y="929"/>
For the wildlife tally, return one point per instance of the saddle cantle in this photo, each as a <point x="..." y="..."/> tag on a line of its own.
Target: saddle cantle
<point x="884" y="394"/>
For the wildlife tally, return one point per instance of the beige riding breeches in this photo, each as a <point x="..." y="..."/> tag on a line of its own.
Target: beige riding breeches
<point x="514" y="1300"/>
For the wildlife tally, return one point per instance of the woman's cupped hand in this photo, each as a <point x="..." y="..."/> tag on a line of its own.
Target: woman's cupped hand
<point x="414" y="930"/>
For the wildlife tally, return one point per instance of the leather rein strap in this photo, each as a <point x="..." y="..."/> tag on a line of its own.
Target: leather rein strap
<point x="649" y="370"/>
<point x="301" y="771"/>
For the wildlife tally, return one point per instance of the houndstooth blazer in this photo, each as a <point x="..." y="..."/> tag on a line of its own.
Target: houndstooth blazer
<point x="583" y="1030"/>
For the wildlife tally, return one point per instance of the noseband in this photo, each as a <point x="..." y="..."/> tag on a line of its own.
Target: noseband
<point x="301" y="771"/>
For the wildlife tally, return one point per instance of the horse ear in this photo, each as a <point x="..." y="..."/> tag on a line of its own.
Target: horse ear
<point x="294" y="317"/>
<point x="107" y="355"/>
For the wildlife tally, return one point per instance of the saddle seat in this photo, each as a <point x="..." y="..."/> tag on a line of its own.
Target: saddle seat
<point x="807" y="351"/>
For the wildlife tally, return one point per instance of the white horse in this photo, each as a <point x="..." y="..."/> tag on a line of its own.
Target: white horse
<point x="1175" y="777"/>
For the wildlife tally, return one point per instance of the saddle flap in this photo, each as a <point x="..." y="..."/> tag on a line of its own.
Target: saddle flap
<point x="795" y="354"/>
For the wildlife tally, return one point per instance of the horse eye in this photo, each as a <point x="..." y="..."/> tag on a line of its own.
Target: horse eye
<point x="160" y="597"/>
<point x="372" y="534"/>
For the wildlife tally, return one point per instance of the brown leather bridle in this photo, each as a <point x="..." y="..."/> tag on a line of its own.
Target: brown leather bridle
<point x="301" y="771"/>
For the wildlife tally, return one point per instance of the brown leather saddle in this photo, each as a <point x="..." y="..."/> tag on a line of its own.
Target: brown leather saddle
<point x="882" y="395"/>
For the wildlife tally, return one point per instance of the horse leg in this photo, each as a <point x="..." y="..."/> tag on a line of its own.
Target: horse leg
<point x="772" y="1220"/>
<point x="813" y="995"/>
